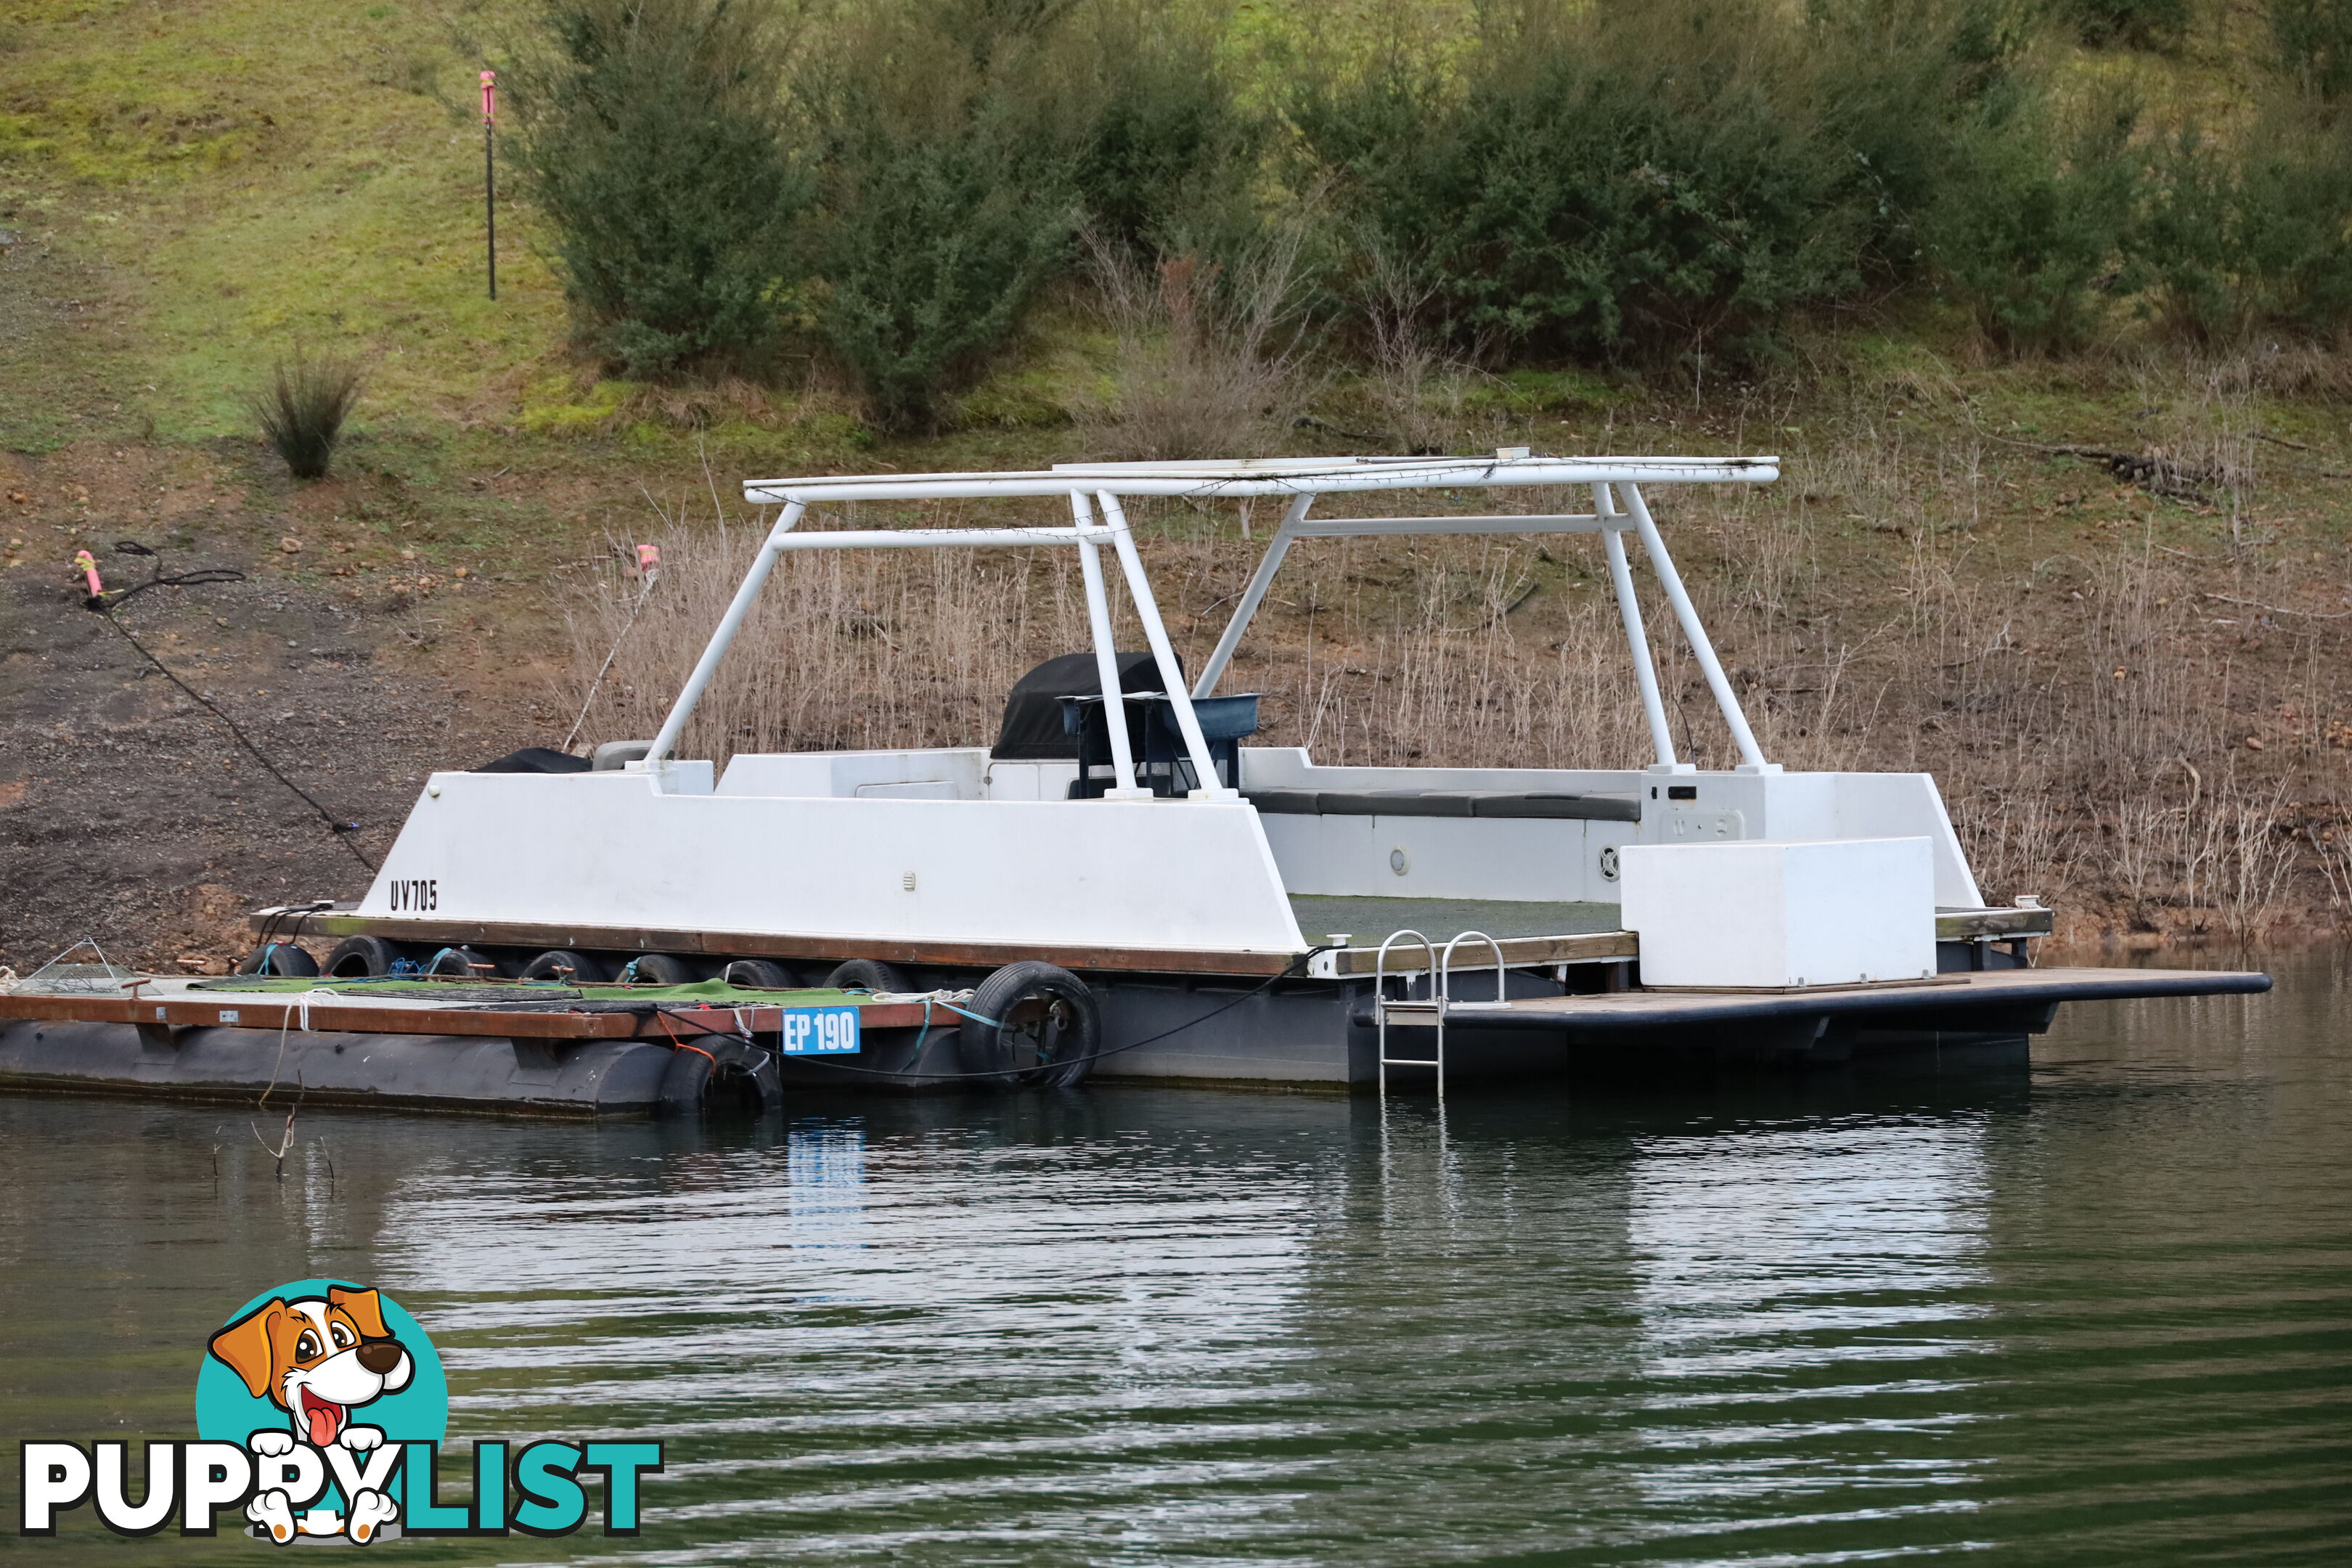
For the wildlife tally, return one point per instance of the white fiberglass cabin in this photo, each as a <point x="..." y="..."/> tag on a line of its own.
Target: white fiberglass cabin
<point x="1163" y="856"/>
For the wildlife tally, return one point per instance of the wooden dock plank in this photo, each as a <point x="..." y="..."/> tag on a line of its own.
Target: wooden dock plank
<point x="393" y="1017"/>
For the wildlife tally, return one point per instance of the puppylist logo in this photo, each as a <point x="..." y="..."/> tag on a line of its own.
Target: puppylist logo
<point x="320" y="1408"/>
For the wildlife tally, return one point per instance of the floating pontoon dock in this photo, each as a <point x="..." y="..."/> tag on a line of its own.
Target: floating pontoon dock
<point x="1124" y="887"/>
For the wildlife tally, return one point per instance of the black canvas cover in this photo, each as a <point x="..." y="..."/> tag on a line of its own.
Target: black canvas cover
<point x="1032" y="714"/>
<point x="536" y="760"/>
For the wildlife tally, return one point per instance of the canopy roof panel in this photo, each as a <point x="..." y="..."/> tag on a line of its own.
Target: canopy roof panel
<point x="1270" y="476"/>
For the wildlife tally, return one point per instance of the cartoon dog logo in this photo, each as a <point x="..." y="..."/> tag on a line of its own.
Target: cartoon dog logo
<point x="317" y="1358"/>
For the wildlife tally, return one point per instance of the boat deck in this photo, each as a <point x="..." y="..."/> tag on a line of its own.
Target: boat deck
<point x="1368" y="921"/>
<point x="1533" y="934"/>
<point x="1975" y="999"/>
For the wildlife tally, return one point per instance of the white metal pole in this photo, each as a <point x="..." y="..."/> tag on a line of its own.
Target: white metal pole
<point x="1252" y="596"/>
<point x="1687" y="614"/>
<point x="1172" y="677"/>
<point x="754" y="580"/>
<point x="1122" y="757"/>
<point x="1637" y="638"/>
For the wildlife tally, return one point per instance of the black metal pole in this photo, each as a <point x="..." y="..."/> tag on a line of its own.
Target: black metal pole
<point x="491" y="206"/>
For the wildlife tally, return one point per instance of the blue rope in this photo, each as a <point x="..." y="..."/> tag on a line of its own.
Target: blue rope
<point x="925" y="1033"/>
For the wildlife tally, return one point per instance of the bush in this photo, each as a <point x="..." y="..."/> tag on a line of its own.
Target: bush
<point x="2148" y="24"/>
<point x="934" y="246"/>
<point x="1643" y="180"/>
<point x="302" y="412"/>
<point x="652" y="136"/>
<point x="2314" y="42"/>
<point x="2255" y="240"/>
<point x="1165" y="153"/>
<point x="946" y="194"/>
<point x="2295" y="188"/>
<point x="2029" y="226"/>
<point x="1896" y="87"/>
<point x="2187" y="248"/>
<point x="1208" y="353"/>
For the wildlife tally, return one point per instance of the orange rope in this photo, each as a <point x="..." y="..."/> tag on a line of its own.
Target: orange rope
<point x="681" y="1045"/>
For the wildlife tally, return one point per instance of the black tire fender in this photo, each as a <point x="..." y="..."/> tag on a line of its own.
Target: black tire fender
<point x="868" y="974"/>
<point x="1060" y="1026"/>
<point x="759" y="974"/>
<point x="463" y="962"/>
<point x="563" y="965"/>
<point x="657" y="969"/>
<point x="278" y="958"/>
<point x="363" y="958"/>
<point x="697" y="1064"/>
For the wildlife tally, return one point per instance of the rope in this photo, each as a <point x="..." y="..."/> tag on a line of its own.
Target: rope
<point x="106" y="604"/>
<point x="1289" y="971"/>
<point x="305" y="1000"/>
<point x="614" y="652"/>
<point x="681" y="1045"/>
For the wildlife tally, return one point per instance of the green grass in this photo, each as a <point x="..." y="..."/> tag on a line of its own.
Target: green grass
<point x="258" y="174"/>
<point x="213" y="183"/>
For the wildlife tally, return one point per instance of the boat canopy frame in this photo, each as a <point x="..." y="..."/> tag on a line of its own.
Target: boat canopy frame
<point x="1088" y="486"/>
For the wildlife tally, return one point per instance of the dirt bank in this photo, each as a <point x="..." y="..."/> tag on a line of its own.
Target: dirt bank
<point x="129" y="815"/>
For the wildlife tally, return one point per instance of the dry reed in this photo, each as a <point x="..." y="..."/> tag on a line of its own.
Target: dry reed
<point x="1208" y="355"/>
<point x="2086" y="722"/>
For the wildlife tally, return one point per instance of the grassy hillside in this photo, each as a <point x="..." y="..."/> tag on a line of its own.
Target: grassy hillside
<point x="2129" y="681"/>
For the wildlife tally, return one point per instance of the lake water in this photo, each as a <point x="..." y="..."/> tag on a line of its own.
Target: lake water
<point x="2098" y="1311"/>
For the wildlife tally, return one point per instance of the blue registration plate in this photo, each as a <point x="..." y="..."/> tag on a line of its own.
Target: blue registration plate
<point x="820" y="1031"/>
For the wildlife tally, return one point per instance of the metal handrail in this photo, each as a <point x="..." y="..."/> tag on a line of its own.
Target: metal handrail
<point x="1445" y="973"/>
<point x="1380" y="1011"/>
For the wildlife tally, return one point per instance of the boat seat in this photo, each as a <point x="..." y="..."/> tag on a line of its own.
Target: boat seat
<point x="1444" y="802"/>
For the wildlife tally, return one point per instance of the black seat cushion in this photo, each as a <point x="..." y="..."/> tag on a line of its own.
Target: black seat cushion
<point x="1445" y="803"/>
<point x="1584" y="807"/>
<point x="1395" y="803"/>
<point x="1285" y="801"/>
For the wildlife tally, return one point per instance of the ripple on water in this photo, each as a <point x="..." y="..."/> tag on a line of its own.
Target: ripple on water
<point x="2101" y="1313"/>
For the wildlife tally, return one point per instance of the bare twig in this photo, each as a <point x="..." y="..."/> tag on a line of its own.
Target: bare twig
<point x="2279" y="610"/>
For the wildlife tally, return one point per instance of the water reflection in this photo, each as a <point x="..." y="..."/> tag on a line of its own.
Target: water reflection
<point x="856" y="1322"/>
<point x="1807" y="1327"/>
<point x="2098" y="1313"/>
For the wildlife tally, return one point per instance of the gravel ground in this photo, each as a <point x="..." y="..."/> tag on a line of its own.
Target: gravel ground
<point x="131" y="815"/>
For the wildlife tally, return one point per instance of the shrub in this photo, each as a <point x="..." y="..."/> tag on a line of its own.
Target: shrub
<point x="2296" y="189"/>
<point x="1640" y="179"/>
<point x="652" y="136"/>
<point x="2314" y="42"/>
<point x="2251" y="238"/>
<point x="1165" y="151"/>
<point x="1895" y="87"/>
<point x="2029" y="226"/>
<point x="2148" y="24"/>
<point x="1208" y="353"/>
<point x="934" y="244"/>
<point x="302" y="412"/>
<point x="2187" y="248"/>
<point x="946" y="198"/>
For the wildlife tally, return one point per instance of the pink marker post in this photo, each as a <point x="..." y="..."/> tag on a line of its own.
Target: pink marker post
<point x="87" y="564"/>
<point x="490" y="176"/>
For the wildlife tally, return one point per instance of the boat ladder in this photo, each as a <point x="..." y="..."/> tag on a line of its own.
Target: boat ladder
<point x="1430" y="1012"/>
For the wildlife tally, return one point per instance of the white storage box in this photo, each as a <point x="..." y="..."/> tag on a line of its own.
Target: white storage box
<point x="1771" y="916"/>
